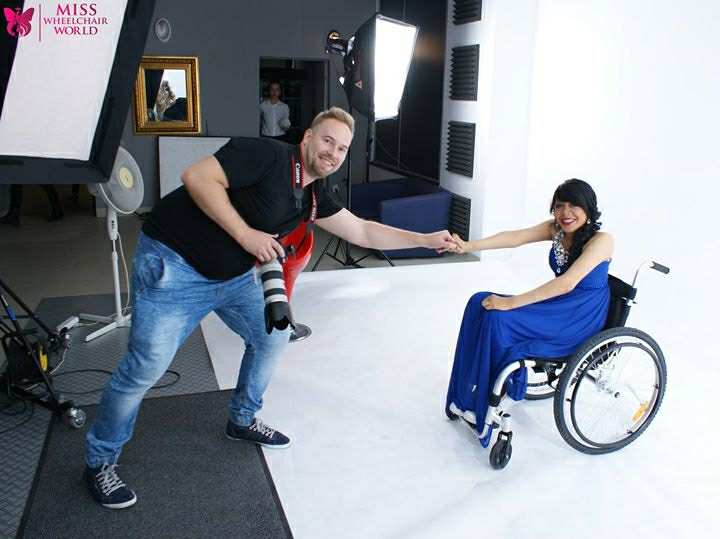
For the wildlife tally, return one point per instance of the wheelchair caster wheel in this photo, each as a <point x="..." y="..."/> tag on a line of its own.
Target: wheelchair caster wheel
<point x="74" y="417"/>
<point x="501" y="452"/>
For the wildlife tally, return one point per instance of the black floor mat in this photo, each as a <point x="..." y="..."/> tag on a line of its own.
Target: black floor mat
<point x="190" y="480"/>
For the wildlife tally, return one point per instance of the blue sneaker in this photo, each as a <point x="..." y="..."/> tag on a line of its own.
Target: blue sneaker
<point x="107" y="488"/>
<point x="258" y="433"/>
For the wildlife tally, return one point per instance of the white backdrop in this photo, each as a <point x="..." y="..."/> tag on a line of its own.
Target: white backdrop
<point x="625" y="95"/>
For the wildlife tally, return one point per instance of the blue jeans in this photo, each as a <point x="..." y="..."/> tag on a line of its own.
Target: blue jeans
<point x="169" y="300"/>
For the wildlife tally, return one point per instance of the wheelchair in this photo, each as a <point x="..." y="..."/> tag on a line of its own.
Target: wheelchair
<point x="604" y="395"/>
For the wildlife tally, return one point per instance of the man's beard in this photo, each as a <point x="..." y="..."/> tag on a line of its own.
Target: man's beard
<point x="312" y="169"/>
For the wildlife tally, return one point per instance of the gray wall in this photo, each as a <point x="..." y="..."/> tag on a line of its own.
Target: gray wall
<point x="229" y="37"/>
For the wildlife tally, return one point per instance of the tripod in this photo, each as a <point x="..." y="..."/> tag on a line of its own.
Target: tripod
<point x="341" y="245"/>
<point x="28" y="360"/>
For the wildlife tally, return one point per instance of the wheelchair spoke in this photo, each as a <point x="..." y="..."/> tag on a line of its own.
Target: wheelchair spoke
<point x="606" y="422"/>
<point x="610" y="404"/>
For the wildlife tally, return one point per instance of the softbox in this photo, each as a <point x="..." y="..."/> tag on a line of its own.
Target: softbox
<point x="376" y="66"/>
<point x="67" y="72"/>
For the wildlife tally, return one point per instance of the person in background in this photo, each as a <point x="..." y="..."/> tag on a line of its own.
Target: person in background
<point x="16" y="196"/>
<point x="274" y="114"/>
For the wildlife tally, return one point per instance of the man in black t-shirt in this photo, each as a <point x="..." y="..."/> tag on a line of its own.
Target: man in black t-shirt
<point x="196" y="254"/>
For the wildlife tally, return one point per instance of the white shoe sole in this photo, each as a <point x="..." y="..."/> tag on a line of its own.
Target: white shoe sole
<point x="123" y="505"/>
<point x="269" y="446"/>
<point x="467" y="415"/>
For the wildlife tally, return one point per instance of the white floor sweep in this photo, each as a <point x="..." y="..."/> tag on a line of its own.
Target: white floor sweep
<point x="374" y="456"/>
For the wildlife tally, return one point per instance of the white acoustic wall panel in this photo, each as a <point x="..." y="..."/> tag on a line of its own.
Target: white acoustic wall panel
<point x="178" y="153"/>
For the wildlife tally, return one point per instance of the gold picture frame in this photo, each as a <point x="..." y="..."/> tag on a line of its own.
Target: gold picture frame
<point x="167" y="96"/>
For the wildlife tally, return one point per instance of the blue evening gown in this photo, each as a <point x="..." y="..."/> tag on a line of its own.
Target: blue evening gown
<point x="490" y="340"/>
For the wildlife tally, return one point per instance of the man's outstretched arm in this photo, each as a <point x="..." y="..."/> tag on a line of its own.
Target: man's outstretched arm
<point x="372" y="235"/>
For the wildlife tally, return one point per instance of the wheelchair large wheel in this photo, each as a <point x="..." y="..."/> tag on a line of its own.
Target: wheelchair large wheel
<point x="610" y="390"/>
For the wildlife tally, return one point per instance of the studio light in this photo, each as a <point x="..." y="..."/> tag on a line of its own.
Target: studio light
<point x="376" y="61"/>
<point x="65" y="89"/>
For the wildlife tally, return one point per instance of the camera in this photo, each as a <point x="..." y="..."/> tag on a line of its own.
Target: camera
<point x="277" y="307"/>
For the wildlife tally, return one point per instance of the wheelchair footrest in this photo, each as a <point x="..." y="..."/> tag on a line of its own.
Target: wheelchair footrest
<point x="485" y="440"/>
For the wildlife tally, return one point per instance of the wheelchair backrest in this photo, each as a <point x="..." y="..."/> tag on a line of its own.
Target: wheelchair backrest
<point x="619" y="310"/>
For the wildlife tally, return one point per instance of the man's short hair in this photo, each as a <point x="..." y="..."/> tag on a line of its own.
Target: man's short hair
<point x="335" y="113"/>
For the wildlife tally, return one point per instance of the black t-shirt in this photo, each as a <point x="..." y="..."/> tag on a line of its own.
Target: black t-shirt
<point x="259" y="174"/>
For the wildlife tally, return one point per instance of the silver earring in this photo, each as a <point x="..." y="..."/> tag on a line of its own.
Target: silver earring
<point x="589" y="221"/>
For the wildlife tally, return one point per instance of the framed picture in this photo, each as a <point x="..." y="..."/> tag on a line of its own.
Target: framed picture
<point x="167" y="96"/>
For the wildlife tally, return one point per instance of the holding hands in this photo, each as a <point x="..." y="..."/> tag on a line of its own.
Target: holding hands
<point x="460" y="246"/>
<point x="441" y="241"/>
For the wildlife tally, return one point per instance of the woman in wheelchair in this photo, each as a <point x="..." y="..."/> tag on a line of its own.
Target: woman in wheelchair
<point x="549" y="321"/>
<point x="607" y="380"/>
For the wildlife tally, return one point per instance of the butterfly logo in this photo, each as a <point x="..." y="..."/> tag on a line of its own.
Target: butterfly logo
<point x="18" y="23"/>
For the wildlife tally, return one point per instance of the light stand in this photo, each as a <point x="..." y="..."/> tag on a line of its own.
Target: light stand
<point x="341" y="252"/>
<point x="369" y="147"/>
<point x="376" y="61"/>
<point x="28" y="362"/>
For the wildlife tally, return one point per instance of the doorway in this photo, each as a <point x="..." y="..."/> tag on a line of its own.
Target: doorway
<point x="304" y="89"/>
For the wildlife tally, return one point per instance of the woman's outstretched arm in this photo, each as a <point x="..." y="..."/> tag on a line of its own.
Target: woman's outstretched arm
<point x="504" y="240"/>
<point x="598" y="249"/>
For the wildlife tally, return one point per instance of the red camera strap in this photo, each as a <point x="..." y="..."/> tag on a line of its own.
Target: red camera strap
<point x="299" y="241"/>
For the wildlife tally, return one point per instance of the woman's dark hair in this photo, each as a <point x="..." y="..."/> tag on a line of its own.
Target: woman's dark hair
<point x="579" y="193"/>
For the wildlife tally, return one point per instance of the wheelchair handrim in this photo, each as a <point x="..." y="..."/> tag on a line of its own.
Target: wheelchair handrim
<point x="609" y="349"/>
